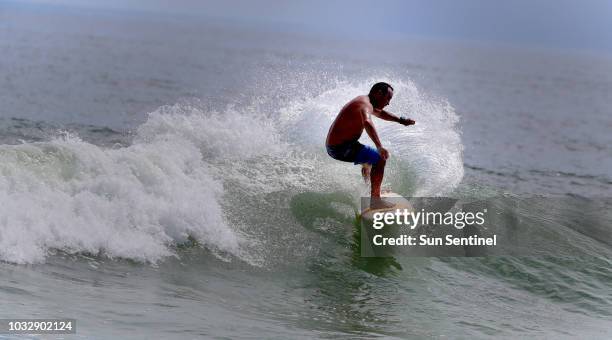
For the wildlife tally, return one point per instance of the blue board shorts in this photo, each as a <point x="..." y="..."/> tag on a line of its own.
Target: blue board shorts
<point x="353" y="151"/>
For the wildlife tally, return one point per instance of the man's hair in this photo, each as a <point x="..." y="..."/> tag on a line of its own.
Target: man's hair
<point x="384" y="87"/>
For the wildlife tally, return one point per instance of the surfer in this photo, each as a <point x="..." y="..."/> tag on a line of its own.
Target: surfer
<point x="343" y="137"/>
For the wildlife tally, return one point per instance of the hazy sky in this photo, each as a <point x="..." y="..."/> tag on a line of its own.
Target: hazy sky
<point x="576" y="24"/>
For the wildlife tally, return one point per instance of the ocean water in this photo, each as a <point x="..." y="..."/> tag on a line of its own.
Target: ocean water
<point x="165" y="177"/>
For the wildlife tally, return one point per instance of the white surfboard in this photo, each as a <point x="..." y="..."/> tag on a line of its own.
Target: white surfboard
<point x="398" y="201"/>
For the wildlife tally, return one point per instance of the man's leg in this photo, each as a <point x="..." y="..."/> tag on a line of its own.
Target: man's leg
<point x="369" y="155"/>
<point x="378" y="172"/>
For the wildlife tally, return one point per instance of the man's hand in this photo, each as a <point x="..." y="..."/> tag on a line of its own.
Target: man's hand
<point x="406" y="121"/>
<point x="383" y="153"/>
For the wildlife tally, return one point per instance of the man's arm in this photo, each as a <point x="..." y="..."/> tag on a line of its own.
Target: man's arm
<point x="368" y="125"/>
<point x="384" y="115"/>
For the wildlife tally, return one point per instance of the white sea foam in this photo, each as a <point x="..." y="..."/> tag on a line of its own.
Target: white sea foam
<point x="133" y="202"/>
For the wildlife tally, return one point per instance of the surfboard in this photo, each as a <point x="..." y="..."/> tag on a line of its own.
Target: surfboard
<point x="392" y="197"/>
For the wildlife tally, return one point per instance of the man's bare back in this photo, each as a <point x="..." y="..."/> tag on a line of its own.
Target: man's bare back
<point x="348" y="125"/>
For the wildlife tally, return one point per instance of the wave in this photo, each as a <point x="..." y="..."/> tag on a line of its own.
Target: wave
<point x="188" y="172"/>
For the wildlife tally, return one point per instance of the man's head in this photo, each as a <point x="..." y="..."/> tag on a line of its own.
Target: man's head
<point x="380" y="95"/>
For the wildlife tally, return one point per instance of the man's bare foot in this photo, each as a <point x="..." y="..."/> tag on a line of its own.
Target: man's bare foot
<point x="365" y="172"/>
<point x="379" y="203"/>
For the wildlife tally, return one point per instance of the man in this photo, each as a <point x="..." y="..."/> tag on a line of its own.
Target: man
<point x="342" y="139"/>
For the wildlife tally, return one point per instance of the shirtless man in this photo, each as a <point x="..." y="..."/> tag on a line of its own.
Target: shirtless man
<point x="342" y="139"/>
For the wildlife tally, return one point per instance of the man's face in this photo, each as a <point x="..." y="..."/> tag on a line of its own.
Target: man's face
<point x="383" y="99"/>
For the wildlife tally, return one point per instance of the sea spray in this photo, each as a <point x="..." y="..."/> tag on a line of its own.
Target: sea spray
<point x="431" y="150"/>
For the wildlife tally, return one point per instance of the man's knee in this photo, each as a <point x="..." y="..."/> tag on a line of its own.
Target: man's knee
<point x="381" y="163"/>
